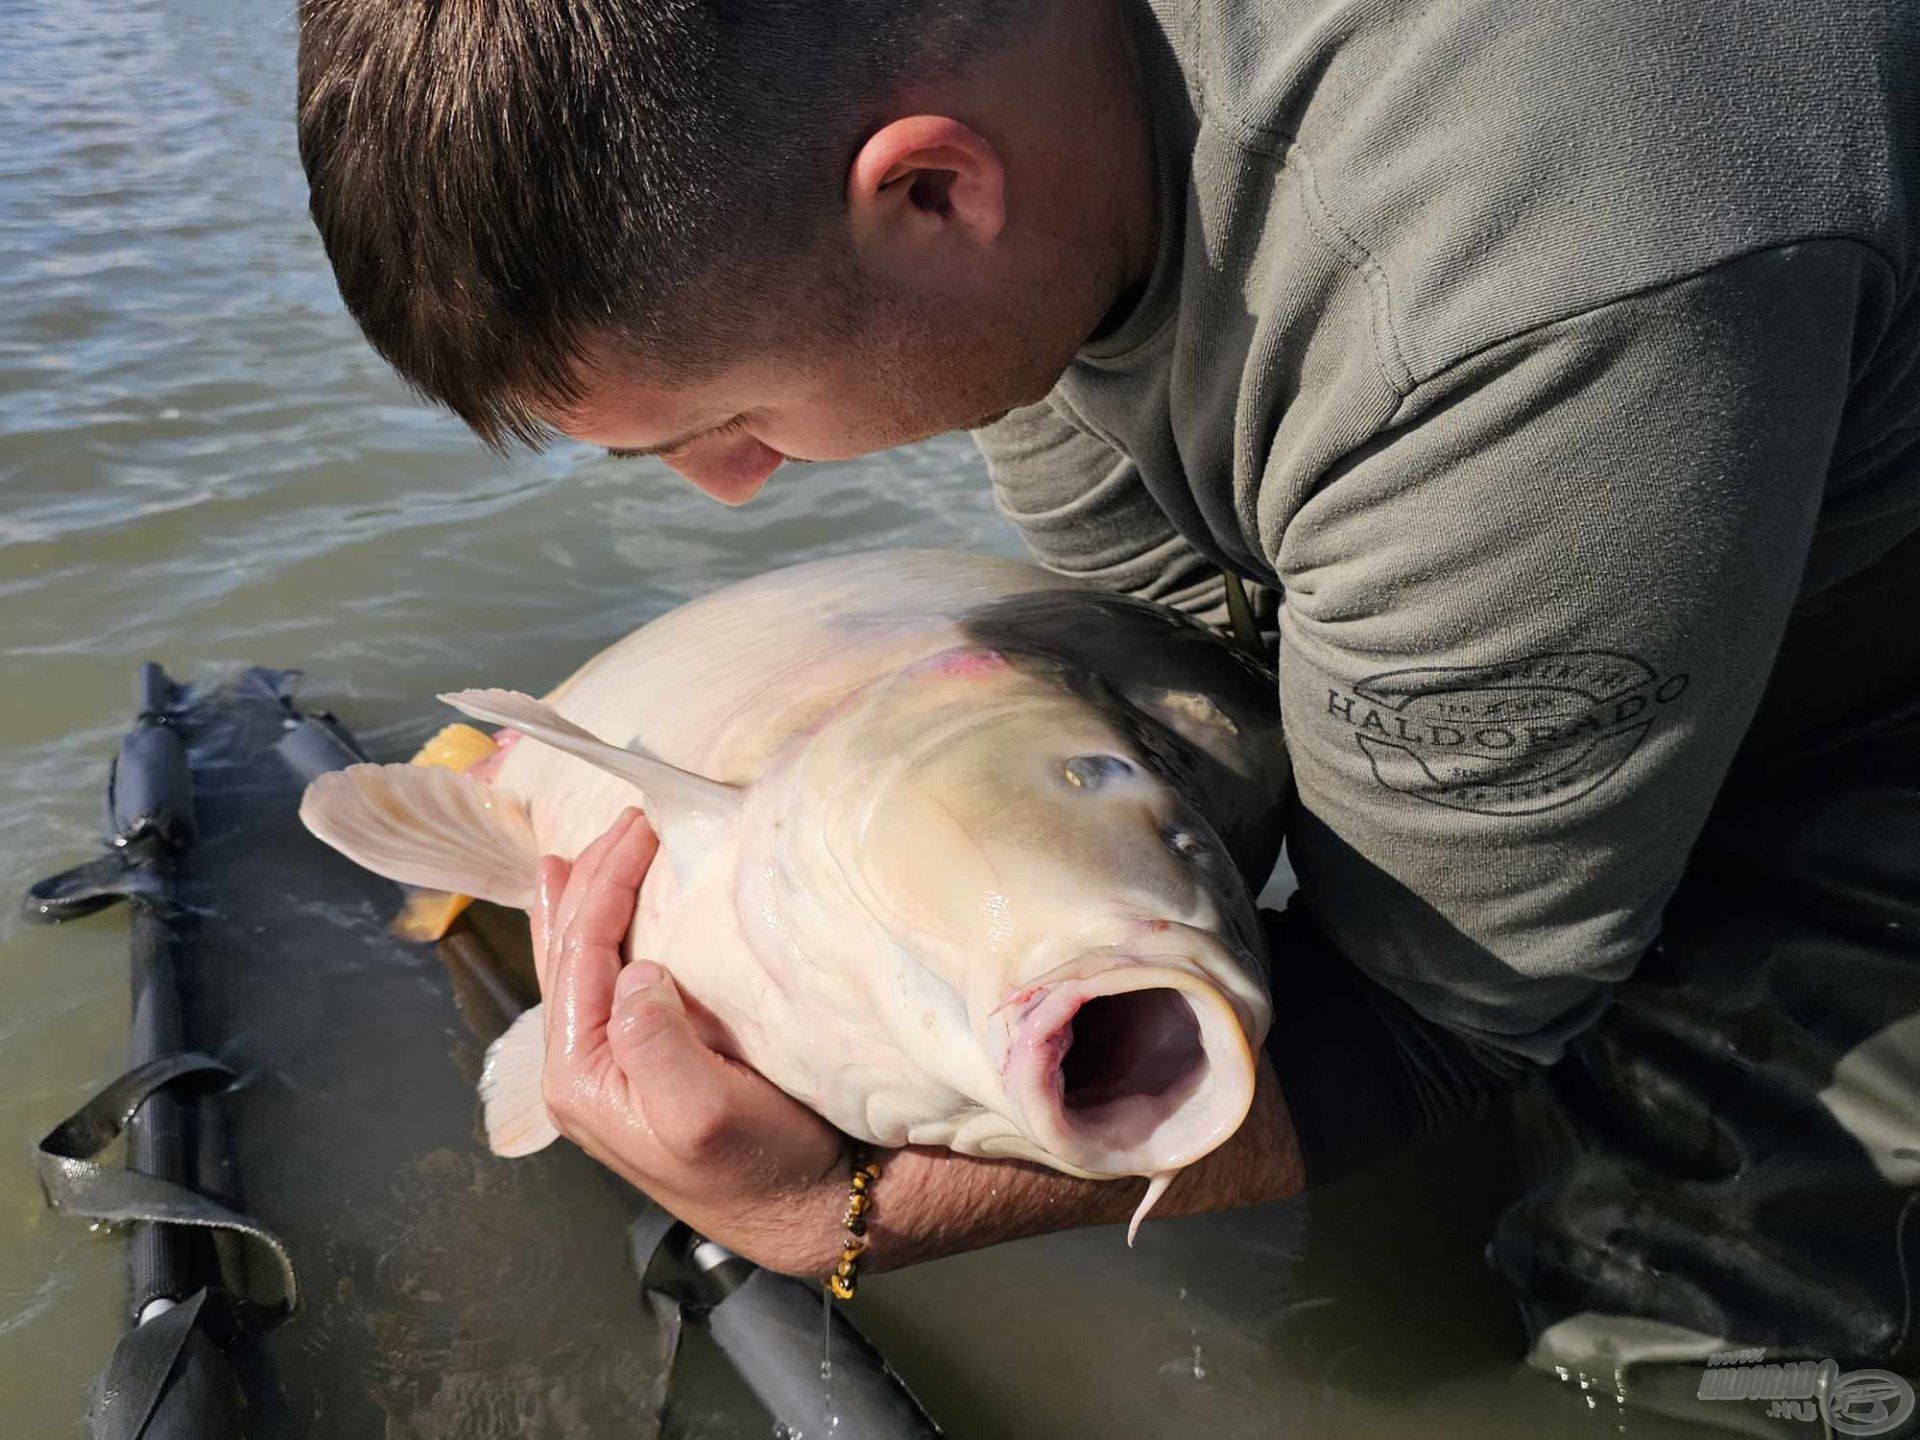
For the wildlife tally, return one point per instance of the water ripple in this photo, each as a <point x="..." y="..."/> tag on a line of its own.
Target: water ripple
<point x="201" y="462"/>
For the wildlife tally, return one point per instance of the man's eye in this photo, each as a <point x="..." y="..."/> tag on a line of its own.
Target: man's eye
<point x="732" y="427"/>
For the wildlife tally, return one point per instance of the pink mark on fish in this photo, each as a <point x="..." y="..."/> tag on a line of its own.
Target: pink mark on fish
<point x="489" y="766"/>
<point x="966" y="664"/>
<point x="1025" y="993"/>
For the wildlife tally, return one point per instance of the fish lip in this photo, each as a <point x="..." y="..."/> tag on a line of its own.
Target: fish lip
<point x="1146" y="946"/>
<point x="1141" y="1134"/>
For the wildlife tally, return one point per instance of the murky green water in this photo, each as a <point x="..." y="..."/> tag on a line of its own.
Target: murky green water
<point x="202" y="464"/>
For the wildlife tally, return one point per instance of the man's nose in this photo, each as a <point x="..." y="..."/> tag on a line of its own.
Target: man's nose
<point x="732" y="472"/>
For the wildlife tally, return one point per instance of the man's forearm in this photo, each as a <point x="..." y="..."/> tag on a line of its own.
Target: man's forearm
<point x="931" y="1202"/>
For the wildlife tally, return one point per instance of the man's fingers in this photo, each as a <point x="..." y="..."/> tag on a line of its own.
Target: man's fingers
<point x="595" y="915"/>
<point x="560" y="904"/>
<point x="548" y="888"/>
<point x="586" y="866"/>
<point x="608" y="897"/>
<point x="682" y="1087"/>
<point x="577" y="1011"/>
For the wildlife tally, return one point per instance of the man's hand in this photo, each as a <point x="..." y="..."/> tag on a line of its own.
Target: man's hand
<point x="630" y="1081"/>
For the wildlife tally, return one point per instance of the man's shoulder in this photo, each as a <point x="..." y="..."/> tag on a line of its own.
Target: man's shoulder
<point x="1495" y="165"/>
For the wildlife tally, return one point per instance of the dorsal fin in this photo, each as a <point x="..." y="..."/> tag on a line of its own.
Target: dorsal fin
<point x="689" y="811"/>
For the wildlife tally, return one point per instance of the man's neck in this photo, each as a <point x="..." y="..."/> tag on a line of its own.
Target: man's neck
<point x="1139" y="218"/>
<point x="1089" y="141"/>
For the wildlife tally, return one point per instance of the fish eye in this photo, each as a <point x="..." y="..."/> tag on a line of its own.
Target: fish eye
<point x="1184" y="843"/>
<point x="1091" y="772"/>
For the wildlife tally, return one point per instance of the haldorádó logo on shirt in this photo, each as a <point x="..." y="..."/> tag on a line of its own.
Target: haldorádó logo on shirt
<point x="1510" y="739"/>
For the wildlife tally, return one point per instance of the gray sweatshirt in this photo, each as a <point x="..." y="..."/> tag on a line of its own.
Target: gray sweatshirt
<point x="1540" y="359"/>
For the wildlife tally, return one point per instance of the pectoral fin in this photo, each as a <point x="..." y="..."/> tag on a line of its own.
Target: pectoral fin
<point x="428" y="827"/>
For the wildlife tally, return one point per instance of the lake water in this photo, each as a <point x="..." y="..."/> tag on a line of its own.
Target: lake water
<point x="201" y="463"/>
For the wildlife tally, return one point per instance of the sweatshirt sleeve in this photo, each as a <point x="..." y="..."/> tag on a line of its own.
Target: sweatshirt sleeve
<point x="1527" y="626"/>
<point x="1084" y="511"/>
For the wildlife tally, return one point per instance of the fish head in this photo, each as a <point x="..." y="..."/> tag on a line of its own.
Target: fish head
<point x="1071" y="945"/>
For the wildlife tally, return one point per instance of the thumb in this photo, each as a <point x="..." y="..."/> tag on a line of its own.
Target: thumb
<point x="700" y="1104"/>
<point x="683" y="1088"/>
<point x="649" y="1022"/>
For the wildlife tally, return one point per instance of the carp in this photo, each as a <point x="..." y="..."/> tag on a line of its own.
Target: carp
<point x="954" y="850"/>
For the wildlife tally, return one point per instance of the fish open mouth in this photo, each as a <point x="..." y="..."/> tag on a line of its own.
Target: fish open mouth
<point x="1130" y="1069"/>
<point x="1128" y="1059"/>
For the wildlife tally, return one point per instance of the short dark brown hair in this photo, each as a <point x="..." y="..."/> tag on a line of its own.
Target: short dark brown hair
<point x="499" y="183"/>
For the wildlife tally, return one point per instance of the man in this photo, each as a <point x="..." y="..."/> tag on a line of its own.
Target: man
<point x="1552" y="373"/>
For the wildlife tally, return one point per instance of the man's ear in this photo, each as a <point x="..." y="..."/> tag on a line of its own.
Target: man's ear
<point x="923" y="178"/>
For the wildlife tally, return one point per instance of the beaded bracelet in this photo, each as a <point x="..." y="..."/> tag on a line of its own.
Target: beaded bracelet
<point x="865" y="1172"/>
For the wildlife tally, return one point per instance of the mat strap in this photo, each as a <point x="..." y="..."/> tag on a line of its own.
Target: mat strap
<point x="76" y="1184"/>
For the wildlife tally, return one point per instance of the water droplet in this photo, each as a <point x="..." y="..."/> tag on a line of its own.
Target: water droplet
<point x="826" y="1359"/>
<point x="1199" y="1370"/>
<point x="826" y="1333"/>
